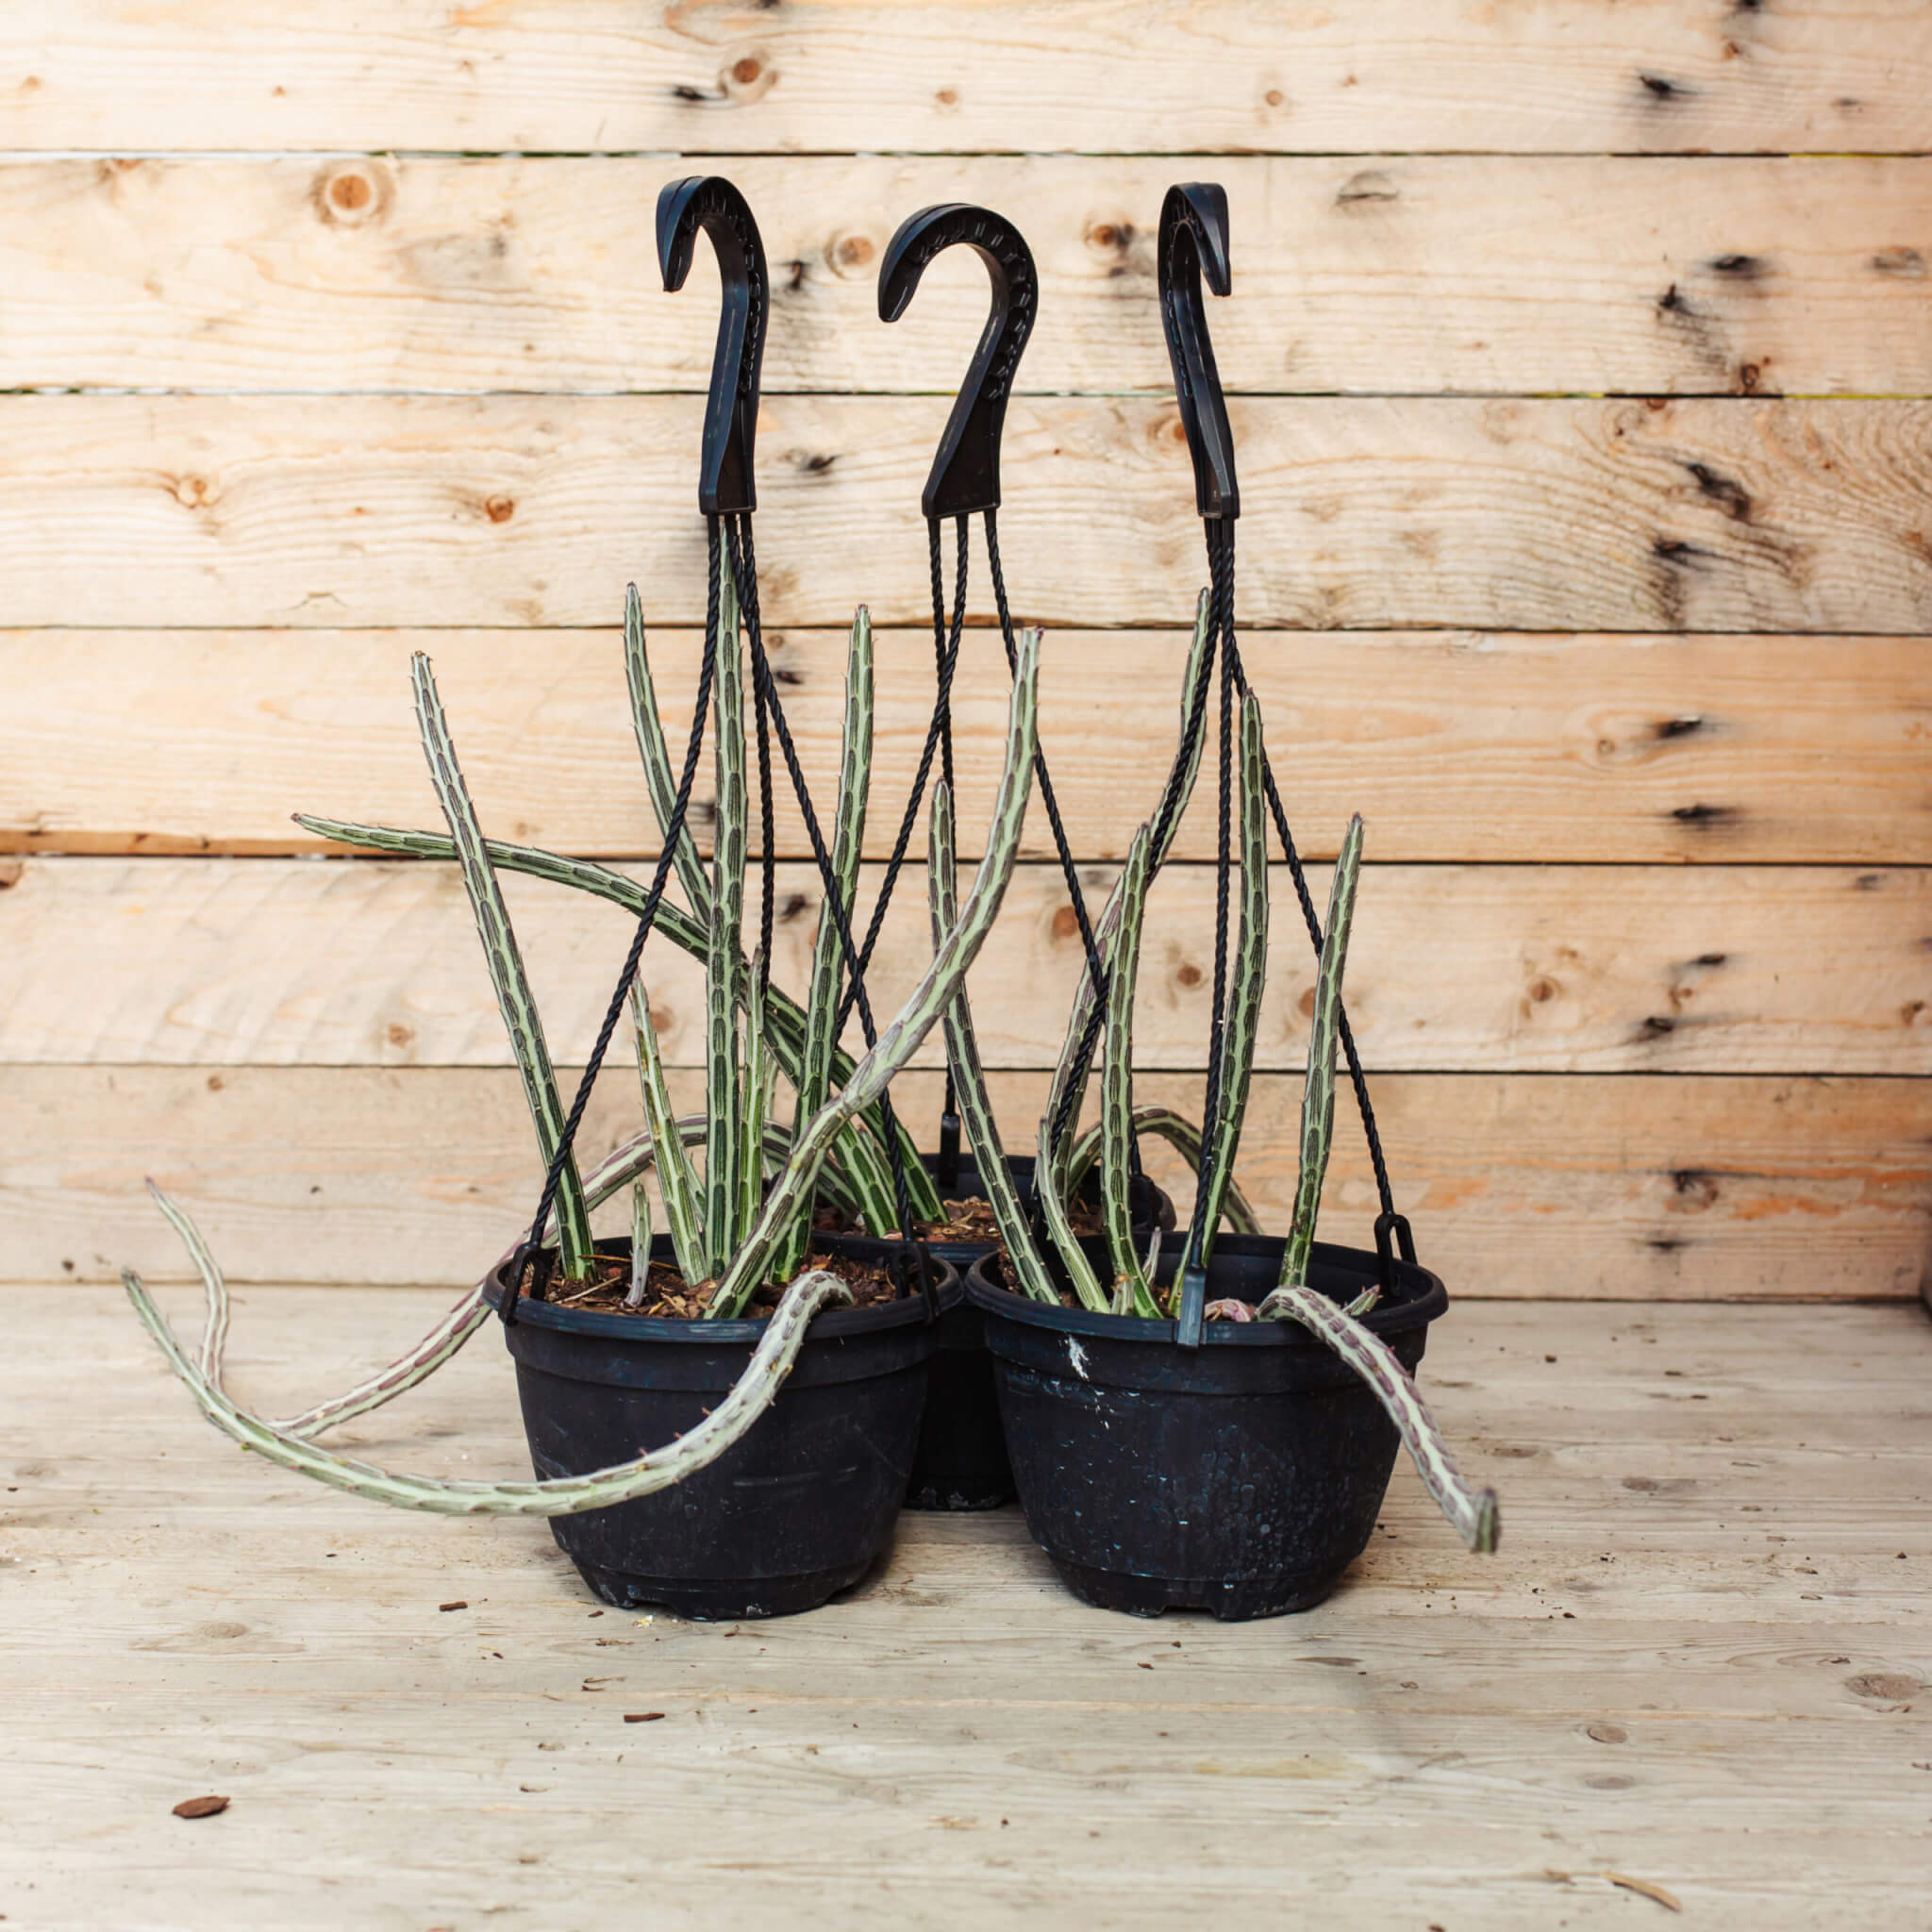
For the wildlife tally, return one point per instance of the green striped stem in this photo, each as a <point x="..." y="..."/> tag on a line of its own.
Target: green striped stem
<point x="1184" y="1137"/>
<point x="520" y="1017"/>
<point x="1133" y="1290"/>
<point x="969" y="1075"/>
<point x="929" y="999"/>
<point x="814" y="1081"/>
<point x="1243" y="1023"/>
<point x="756" y="1096"/>
<point x="452" y="1330"/>
<point x="750" y="1395"/>
<point x="1182" y="773"/>
<point x="639" y="1243"/>
<point x="1472" y="1513"/>
<point x="786" y="1021"/>
<point x="677" y="1179"/>
<point x="648" y="727"/>
<point x="1318" y="1091"/>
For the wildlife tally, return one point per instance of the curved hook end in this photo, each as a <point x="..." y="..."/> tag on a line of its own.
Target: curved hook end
<point x="965" y="475"/>
<point x="678" y="229"/>
<point x="1199" y="210"/>
<point x="1193" y="247"/>
<point x="712" y="203"/>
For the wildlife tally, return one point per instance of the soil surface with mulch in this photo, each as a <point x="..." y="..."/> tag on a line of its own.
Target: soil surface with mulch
<point x="972" y="1220"/>
<point x="669" y="1296"/>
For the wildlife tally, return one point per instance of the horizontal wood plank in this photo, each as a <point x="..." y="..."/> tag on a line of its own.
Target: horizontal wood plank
<point x="1453" y="745"/>
<point x="1670" y="1187"/>
<point x="1685" y="1587"/>
<point x="1120" y="75"/>
<point x="1532" y="968"/>
<point x="1561" y="515"/>
<point x="1390" y="273"/>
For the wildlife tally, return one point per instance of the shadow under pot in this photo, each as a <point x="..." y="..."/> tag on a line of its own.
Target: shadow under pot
<point x="798" y="1509"/>
<point x="1243" y="1477"/>
<point x="962" y="1461"/>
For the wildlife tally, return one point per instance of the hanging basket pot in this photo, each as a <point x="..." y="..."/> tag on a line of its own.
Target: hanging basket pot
<point x="798" y="1509"/>
<point x="1242" y="1477"/>
<point x="961" y="1462"/>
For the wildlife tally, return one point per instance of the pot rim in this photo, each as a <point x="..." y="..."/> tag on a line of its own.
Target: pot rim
<point x="835" y="1325"/>
<point x="1425" y="1299"/>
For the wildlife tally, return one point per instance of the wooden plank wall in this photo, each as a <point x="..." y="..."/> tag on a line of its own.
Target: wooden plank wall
<point x="1583" y="387"/>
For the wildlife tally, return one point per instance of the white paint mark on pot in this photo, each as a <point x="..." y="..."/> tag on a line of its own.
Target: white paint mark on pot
<point x="1076" y="1357"/>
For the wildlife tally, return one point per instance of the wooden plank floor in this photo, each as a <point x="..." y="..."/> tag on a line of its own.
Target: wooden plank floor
<point x="1700" y="1662"/>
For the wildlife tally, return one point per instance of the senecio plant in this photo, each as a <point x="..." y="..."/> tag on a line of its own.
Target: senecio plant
<point x="1065" y="1159"/>
<point x="745" y="1222"/>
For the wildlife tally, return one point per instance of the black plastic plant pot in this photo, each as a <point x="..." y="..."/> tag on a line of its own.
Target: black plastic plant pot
<point x="797" y="1509"/>
<point x="961" y="1462"/>
<point x="1242" y="1477"/>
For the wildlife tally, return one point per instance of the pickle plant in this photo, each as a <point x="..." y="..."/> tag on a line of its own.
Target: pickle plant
<point x="1063" y="1159"/>
<point x="746" y="1221"/>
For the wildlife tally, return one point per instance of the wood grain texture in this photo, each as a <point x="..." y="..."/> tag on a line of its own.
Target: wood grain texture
<point x="1689" y="1663"/>
<point x="1555" y="1186"/>
<point x="1561" y="515"/>
<point x="1374" y="275"/>
<point x="1454" y="746"/>
<point x="1529" y="969"/>
<point x="1101" y="76"/>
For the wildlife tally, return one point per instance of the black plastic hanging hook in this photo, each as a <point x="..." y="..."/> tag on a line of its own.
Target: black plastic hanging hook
<point x="731" y="412"/>
<point x="1193" y="243"/>
<point x="966" y="471"/>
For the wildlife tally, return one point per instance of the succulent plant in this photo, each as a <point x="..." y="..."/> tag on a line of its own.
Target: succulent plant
<point x="745" y="1222"/>
<point x="1038" y="1268"/>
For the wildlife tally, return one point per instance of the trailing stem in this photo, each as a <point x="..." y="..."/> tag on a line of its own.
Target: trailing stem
<point x="1472" y="1513"/>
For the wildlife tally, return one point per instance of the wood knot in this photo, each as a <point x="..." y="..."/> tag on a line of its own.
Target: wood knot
<point x="1274" y="97"/>
<point x="1306" y="1005"/>
<point x="350" y="194"/>
<point x="1187" y="974"/>
<point x="499" y="510"/>
<point x="1606" y="1732"/>
<point x="1542" y="989"/>
<point x="1111" y="238"/>
<point x="850" y="253"/>
<point x="399" y="1035"/>
<point x="948" y="97"/>
<point x="1065" y="924"/>
<point x="749" y="77"/>
<point x="1884" y="1687"/>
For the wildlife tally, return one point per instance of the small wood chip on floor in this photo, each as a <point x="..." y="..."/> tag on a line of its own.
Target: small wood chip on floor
<point x="1646" y="1889"/>
<point x="461" y="1604"/>
<point x="201" y="1807"/>
<point x="642" y="1717"/>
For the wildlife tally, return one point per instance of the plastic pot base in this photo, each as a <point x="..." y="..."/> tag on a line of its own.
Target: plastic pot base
<point x="708" y="1601"/>
<point x="798" y="1509"/>
<point x="960" y="1462"/>
<point x="1233" y="1600"/>
<point x="1242" y="1477"/>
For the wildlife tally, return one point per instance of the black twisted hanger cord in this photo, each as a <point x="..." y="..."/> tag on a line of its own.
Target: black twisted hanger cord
<point x="1193" y="725"/>
<point x="744" y="573"/>
<point x="1279" y="812"/>
<point x="1220" y="617"/>
<point x="948" y="663"/>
